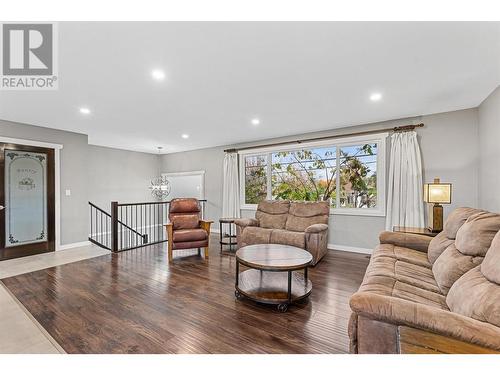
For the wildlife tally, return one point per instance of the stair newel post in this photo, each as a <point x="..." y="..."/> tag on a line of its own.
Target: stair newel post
<point x="114" y="226"/>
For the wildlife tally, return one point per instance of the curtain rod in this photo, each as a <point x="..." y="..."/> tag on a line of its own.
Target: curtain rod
<point x="299" y="141"/>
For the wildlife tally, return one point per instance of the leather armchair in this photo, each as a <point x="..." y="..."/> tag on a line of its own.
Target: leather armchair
<point x="186" y="230"/>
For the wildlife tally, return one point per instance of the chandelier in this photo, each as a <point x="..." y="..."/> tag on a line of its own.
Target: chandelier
<point x="160" y="186"/>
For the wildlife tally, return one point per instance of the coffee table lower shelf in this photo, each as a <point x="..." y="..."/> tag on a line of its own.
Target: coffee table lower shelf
<point x="271" y="287"/>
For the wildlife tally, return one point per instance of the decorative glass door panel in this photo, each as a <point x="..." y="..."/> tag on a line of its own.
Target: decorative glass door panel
<point x="27" y="200"/>
<point x="25" y="197"/>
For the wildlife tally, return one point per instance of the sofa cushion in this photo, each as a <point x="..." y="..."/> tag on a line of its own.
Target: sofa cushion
<point x="451" y="265"/>
<point x="490" y="267"/>
<point x="272" y="214"/>
<point x="402" y="253"/>
<point x="305" y="214"/>
<point x="285" y="237"/>
<point x="388" y="286"/>
<point x="437" y="245"/>
<point x="445" y="238"/>
<point x="475" y="235"/>
<point x="455" y="220"/>
<point x="403" y="272"/>
<point x="400" y="311"/>
<point x="255" y="235"/>
<point x="473" y="295"/>
<point x="408" y="240"/>
<point x="190" y="221"/>
<point x="186" y="235"/>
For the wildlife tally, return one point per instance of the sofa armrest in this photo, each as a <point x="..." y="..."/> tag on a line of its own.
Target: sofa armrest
<point x="402" y="312"/>
<point x="316" y="228"/>
<point x="248" y="222"/>
<point x="410" y="240"/>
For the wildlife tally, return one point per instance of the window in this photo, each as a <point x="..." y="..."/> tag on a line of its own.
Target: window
<point x="358" y="176"/>
<point x="305" y="174"/>
<point x="255" y="179"/>
<point x="350" y="174"/>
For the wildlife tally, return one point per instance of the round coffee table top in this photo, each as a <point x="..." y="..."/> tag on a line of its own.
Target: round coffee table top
<point x="273" y="257"/>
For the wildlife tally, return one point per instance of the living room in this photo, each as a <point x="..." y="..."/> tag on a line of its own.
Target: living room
<point x="200" y="187"/>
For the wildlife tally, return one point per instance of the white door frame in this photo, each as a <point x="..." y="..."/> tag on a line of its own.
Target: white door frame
<point x="57" y="172"/>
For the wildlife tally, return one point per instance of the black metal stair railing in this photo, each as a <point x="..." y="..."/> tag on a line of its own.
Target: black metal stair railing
<point x="130" y="225"/>
<point x="101" y="228"/>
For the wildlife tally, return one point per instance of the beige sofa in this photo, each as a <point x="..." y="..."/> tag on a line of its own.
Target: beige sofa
<point x="432" y="295"/>
<point x="299" y="224"/>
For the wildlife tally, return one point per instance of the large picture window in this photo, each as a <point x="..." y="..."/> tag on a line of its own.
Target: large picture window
<point x="348" y="174"/>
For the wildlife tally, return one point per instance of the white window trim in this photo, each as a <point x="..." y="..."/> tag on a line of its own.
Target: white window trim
<point x="380" y="139"/>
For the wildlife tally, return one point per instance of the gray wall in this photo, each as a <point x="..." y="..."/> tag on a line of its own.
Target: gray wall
<point x="118" y="175"/>
<point x="489" y="152"/>
<point x="94" y="173"/>
<point x="450" y="146"/>
<point x="449" y="151"/>
<point x="73" y="174"/>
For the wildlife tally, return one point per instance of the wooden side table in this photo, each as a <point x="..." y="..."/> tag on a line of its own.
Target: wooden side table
<point x="415" y="230"/>
<point x="229" y="238"/>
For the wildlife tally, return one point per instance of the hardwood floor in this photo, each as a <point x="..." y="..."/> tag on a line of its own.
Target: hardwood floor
<point x="135" y="302"/>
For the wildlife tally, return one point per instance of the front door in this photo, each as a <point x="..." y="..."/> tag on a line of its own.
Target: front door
<point x="27" y="213"/>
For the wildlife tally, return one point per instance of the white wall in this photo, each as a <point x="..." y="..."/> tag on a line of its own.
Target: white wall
<point x="489" y="152"/>
<point x="449" y="151"/>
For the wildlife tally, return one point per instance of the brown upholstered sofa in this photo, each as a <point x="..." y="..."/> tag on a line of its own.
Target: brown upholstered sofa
<point x="432" y="295"/>
<point x="299" y="224"/>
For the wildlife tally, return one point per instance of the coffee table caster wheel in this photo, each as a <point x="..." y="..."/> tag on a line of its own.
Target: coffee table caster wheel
<point x="238" y="295"/>
<point x="283" y="307"/>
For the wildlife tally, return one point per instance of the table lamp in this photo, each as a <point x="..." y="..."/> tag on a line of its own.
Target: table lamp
<point x="437" y="193"/>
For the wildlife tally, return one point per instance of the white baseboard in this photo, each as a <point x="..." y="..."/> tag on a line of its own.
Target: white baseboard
<point x="351" y="249"/>
<point x="72" y="245"/>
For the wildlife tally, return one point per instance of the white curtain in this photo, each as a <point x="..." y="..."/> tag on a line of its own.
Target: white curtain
<point x="405" y="206"/>
<point x="230" y="187"/>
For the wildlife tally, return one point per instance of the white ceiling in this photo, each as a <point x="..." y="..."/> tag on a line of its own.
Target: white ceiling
<point x="295" y="77"/>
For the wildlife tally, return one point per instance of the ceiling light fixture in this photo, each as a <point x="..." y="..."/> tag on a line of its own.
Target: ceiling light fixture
<point x="158" y="74"/>
<point x="160" y="186"/>
<point x="84" y="111"/>
<point x="185" y="136"/>
<point x="255" y="121"/>
<point x="375" y="97"/>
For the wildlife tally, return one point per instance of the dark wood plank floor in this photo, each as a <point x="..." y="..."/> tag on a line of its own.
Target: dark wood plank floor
<point x="135" y="302"/>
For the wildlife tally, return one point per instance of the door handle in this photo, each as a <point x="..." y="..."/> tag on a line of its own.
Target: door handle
<point x="1" y="208"/>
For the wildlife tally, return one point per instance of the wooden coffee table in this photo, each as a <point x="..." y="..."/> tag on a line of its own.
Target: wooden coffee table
<point x="270" y="278"/>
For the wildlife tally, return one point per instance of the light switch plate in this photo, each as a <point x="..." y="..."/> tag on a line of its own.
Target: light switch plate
<point x="68" y="192"/>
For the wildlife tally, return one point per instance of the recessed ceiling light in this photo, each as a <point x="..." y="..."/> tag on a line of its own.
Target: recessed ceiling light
<point x="185" y="136"/>
<point x="158" y="74"/>
<point x="255" y="121"/>
<point x="84" y="111"/>
<point x="375" y="97"/>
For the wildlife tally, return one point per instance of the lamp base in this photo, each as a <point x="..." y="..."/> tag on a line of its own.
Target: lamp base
<point x="435" y="218"/>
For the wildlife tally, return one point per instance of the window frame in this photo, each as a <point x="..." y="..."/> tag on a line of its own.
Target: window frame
<point x="380" y="139"/>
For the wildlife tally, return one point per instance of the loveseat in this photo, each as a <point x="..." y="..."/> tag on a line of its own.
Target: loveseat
<point x="432" y="295"/>
<point x="299" y="224"/>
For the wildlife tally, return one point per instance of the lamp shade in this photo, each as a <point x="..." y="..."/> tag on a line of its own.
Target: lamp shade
<point x="437" y="192"/>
